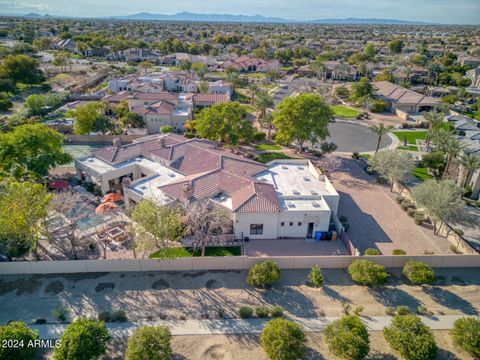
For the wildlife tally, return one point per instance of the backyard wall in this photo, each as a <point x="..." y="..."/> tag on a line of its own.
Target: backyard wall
<point x="444" y="229"/>
<point x="101" y="139"/>
<point x="225" y="263"/>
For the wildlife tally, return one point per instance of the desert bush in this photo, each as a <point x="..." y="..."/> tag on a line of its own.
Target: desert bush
<point x="418" y="272"/>
<point x="315" y="277"/>
<point x="59" y="313"/>
<point x="367" y="273"/>
<point x="371" y="251"/>
<point x="358" y="310"/>
<point x="355" y="155"/>
<point x="458" y="232"/>
<point x="411" y="338"/>
<point x="399" y="199"/>
<point x="283" y="340"/>
<point x="406" y="204"/>
<point x="112" y="316"/>
<point x="422" y="310"/>
<point x="466" y="334"/>
<point x="347" y="338"/>
<point x="411" y="212"/>
<point x="276" y="311"/>
<point x="262" y="311"/>
<point x="402" y="310"/>
<point x="17" y="331"/>
<point x="399" y="252"/>
<point x="418" y="219"/>
<point x="150" y="343"/>
<point x="245" y="312"/>
<point x="378" y="106"/>
<point x="390" y="310"/>
<point x="264" y="273"/>
<point x="259" y="136"/>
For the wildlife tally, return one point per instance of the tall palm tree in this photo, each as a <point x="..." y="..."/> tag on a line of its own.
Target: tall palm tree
<point x="252" y="91"/>
<point x="433" y="118"/>
<point x="469" y="163"/>
<point x="380" y="130"/>
<point x="452" y="148"/>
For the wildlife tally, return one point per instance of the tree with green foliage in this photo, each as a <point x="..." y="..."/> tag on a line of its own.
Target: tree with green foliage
<point x="85" y="117"/>
<point x="361" y="92"/>
<point x="419" y="273"/>
<point x="145" y="65"/>
<point x="411" y="338"/>
<point x="155" y="226"/>
<point x="203" y="87"/>
<point x="38" y="104"/>
<point x="150" y="343"/>
<point x="466" y="334"/>
<point x="379" y="131"/>
<point x="19" y="332"/>
<point x="283" y="340"/>
<point x="166" y="129"/>
<point x="263" y="273"/>
<point x="302" y="118"/>
<point x="433" y="118"/>
<point x="225" y="122"/>
<point x="393" y="165"/>
<point x="199" y="69"/>
<point x="395" y="46"/>
<point x="469" y="164"/>
<point x="367" y="273"/>
<point x="132" y="120"/>
<point x="33" y="148"/>
<point x="83" y="339"/>
<point x="21" y="69"/>
<point x="369" y="51"/>
<point x="315" y="277"/>
<point x="441" y="199"/>
<point x="434" y="161"/>
<point x="385" y="75"/>
<point x="22" y="207"/>
<point x="347" y="338"/>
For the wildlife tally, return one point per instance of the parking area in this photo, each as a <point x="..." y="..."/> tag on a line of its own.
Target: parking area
<point x="376" y="221"/>
<point x="294" y="247"/>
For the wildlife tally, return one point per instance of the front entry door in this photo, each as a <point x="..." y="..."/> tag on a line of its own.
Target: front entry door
<point x="310" y="230"/>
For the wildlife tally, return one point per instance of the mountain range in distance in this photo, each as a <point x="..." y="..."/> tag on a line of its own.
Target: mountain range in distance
<point x="187" y="16"/>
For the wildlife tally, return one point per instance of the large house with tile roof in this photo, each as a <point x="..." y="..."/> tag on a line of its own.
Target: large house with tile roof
<point x="285" y="198"/>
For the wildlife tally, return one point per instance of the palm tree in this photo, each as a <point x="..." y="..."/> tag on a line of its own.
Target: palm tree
<point x="252" y="91"/>
<point x="380" y="130"/>
<point x="433" y="118"/>
<point x="262" y="102"/>
<point x="469" y="163"/>
<point x="452" y="148"/>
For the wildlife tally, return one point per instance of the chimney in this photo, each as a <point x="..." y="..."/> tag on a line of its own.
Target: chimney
<point x="117" y="142"/>
<point x="162" y="142"/>
<point x="188" y="191"/>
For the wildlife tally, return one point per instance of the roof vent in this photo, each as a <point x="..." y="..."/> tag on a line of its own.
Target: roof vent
<point x="171" y="174"/>
<point x="305" y="178"/>
<point x="285" y="167"/>
<point x="300" y="168"/>
<point x="296" y="192"/>
<point x="316" y="205"/>
<point x="313" y="192"/>
<point x="291" y="205"/>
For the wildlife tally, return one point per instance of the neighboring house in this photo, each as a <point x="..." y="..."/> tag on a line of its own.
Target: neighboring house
<point x="402" y="99"/>
<point x="249" y="64"/>
<point x="64" y="44"/>
<point x="469" y="61"/>
<point x="284" y="199"/>
<point x="145" y="84"/>
<point x="468" y="133"/>
<point x="134" y="54"/>
<point x="474" y="76"/>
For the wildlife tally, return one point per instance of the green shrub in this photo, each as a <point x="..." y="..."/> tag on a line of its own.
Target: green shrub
<point x="358" y="310"/>
<point x="411" y="212"/>
<point x="83" y="339"/>
<point x="17" y="331"/>
<point x="399" y="252"/>
<point x="347" y="338"/>
<point x="189" y="135"/>
<point x="245" y="312"/>
<point x="411" y="338"/>
<point x="458" y="232"/>
<point x="276" y="311"/>
<point x="371" y="251"/>
<point x="402" y="310"/>
<point x="355" y="155"/>
<point x="264" y="273"/>
<point x="166" y="129"/>
<point x="150" y="342"/>
<point x="418" y="219"/>
<point x="399" y="199"/>
<point x="390" y="310"/>
<point x="262" y="311"/>
<point x="113" y="316"/>
<point x="315" y="277"/>
<point x="5" y="105"/>
<point x="406" y="204"/>
<point x="378" y="106"/>
<point x="367" y="273"/>
<point x="59" y="314"/>
<point x="466" y="334"/>
<point x="283" y="340"/>
<point x="418" y="272"/>
<point x="259" y="136"/>
<point x="422" y="310"/>
<point x="40" y="321"/>
<point x="455" y="249"/>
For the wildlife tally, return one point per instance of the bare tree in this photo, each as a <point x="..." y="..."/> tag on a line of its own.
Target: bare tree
<point x="207" y="223"/>
<point x="73" y="208"/>
<point x="329" y="163"/>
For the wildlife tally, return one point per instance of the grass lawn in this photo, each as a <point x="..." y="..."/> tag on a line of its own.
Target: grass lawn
<point x="267" y="157"/>
<point x="209" y="251"/>
<point x="411" y="135"/>
<point x="421" y="173"/>
<point x="345" y="112"/>
<point x="409" y="148"/>
<point x="266" y="147"/>
<point x="248" y="108"/>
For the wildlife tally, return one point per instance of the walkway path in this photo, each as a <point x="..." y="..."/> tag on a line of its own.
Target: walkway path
<point x="240" y="326"/>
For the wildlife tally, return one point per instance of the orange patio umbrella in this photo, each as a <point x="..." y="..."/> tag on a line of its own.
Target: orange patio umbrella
<point x="112" y="197"/>
<point x="105" y="207"/>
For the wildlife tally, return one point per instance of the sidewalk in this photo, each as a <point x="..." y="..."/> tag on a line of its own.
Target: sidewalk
<point x="241" y="326"/>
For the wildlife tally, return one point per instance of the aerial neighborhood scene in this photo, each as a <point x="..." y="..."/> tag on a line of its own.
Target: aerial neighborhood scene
<point x="240" y="181"/>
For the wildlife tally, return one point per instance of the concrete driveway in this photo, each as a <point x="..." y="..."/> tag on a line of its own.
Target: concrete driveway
<point x="376" y="221"/>
<point x="294" y="247"/>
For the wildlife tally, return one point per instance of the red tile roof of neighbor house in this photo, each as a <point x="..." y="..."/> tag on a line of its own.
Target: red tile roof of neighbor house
<point x="208" y="170"/>
<point x="159" y="108"/>
<point x="397" y="94"/>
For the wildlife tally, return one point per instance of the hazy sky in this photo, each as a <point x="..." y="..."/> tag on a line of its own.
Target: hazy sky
<point x="442" y="11"/>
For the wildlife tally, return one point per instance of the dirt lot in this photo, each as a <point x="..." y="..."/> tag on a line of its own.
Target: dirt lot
<point x="202" y="294"/>
<point x="247" y="347"/>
